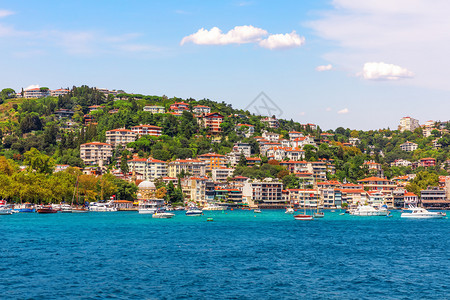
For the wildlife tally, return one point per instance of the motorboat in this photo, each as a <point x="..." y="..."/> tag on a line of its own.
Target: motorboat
<point x="194" y="211"/>
<point x="214" y="206"/>
<point x="289" y="210"/>
<point x="5" y="210"/>
<point x="99" y="206"/>
<point x="46" y="210"/>
<point x="422" y="213"/>
<point x="80" y="210"/>
<point x="66" y="208"/>
<point x="162" y="215"/>
<point x="24" y="208"/>
<point x="303" y="217"/>
<point x="258" y="211"/>
<point x="368" y="210"/>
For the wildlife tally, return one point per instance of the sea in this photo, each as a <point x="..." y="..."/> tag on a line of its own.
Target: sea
<point x="239" y="255"/>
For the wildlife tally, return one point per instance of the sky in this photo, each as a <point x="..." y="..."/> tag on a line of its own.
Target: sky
<point x="350" y="63"/>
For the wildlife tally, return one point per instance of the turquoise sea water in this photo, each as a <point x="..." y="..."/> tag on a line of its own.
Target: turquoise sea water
<point x="241" y="255"/>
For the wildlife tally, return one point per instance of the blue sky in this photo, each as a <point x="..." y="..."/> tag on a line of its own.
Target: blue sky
<point x="357" y="64"/>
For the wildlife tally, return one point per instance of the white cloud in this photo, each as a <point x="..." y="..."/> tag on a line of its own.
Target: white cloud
<point x="282" y="41"/>
<point x="324" y="68"/>
<point x="237" y="35"/>
<point x="33" y="86"/>
<point x="383" y="71"/>
<point x="412" y="33"/>
<point x="343" y="111"/>
<point x="5" y="13"/>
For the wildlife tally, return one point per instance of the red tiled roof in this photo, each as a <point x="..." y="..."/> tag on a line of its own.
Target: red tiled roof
<point x="373" y="179"/>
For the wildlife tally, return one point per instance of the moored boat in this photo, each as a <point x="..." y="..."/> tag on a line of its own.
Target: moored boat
<point x="162" y="215"/>
<point x="4" y="209"/>
<point x="422" y="213"/>
<point x="194" y="212"/>
<point x="214" y="206"/>
<point x="319" y="214"/>
<point x="303" y="217"/>
<point x="46" y="210"/>
<point x="258" y="211"/>
<point x="368" y="211"/>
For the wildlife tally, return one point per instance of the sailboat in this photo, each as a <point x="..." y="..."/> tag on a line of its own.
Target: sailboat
<point x="304" y="216"/>
<point x="318" y="213"/>
<point x="77" y="209"/>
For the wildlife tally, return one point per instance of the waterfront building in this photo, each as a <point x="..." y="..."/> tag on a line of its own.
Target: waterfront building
<point x="433" y="197"/>
<point x="154" y="109"/>
<point x="378" y="183"/>
<point x="308" y="198"/>
<point x="408" y="146"/>
<point x="149" y="167"/>
<point x="147" y="130"/>
<point x="408" y="124"/>
<point x="120" y="137"/>
<point x="96" y="153"/>
<point x="267" y="192"/>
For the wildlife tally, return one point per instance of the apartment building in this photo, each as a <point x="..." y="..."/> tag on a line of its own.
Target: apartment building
<point x="150" y="168"/>
<point x="213" y="161"/>
<point x="221" y="174"/>
<point x="378" y="183"/>
<point x="271" y="122"/>
<point x="147" y="130"/>
<point x="96" y="153"/>
<point x="179" y="107"/>
<point x="59" y="92"/>
<point x="213" y="121"/>
<point x="195" y="167"/>
<point x="264" y="192"/>
<point x="408" y="146"/>
<point x="408" y="124"/>
<point x="307" y="198"/>
<point x="246" y="130"/>
<point x="120" y="137"/>
<point x="36" y="93"/>
<point x="201" y="109"/>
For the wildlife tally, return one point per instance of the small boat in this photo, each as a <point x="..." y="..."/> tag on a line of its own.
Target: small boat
<point x="289" y="210"/>
<point x="80" y="210"/>
<point x="422" y="213"/>
<point x="162" y="215"/>
<point x="147" y="207"/>
<point x="46" y="210"/>
<point x="5" y="210"/>
<point x="66" y="208"/>
<point x="318" y="214"/>
<point x="194" y="212"/>
<point x="304" y="217"/>
<point x="214" y="206"/>
<point x="258" y="211"/>
<point x="97" y="206"/>
<point x="209" y="219"/>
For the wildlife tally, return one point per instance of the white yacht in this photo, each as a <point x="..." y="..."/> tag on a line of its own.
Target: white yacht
<point x="367" y="210"/>
<point x="422" y="213"/>
<point x="4" y="210"/>
<point x="194" y="211"/>
<point x="66" y="208"/>
<point x="214" y="206"/>
<point x="98" y="206"/>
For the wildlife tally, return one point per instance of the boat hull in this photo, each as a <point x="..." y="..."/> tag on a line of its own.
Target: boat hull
<point x="424" y="216"/>
<point x="46" y="211"/>
<point x="163" y="215"/>
<point x="303" y="217"/>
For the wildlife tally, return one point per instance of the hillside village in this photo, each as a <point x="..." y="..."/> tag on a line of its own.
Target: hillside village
<point x="132" y="146"/>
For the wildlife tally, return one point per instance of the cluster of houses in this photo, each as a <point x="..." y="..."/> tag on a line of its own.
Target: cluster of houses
<point x="45" y="92"/>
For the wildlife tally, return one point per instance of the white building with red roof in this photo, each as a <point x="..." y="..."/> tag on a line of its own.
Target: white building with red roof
<point x="36" y="93"/>
<point x="195" y="167"/>
<point x="201" y="109"/>
<point x="59" y="92"/>
<point x="179" y="107"/>
<point x="246" y="130"/>
<point x="147" y="130"/>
